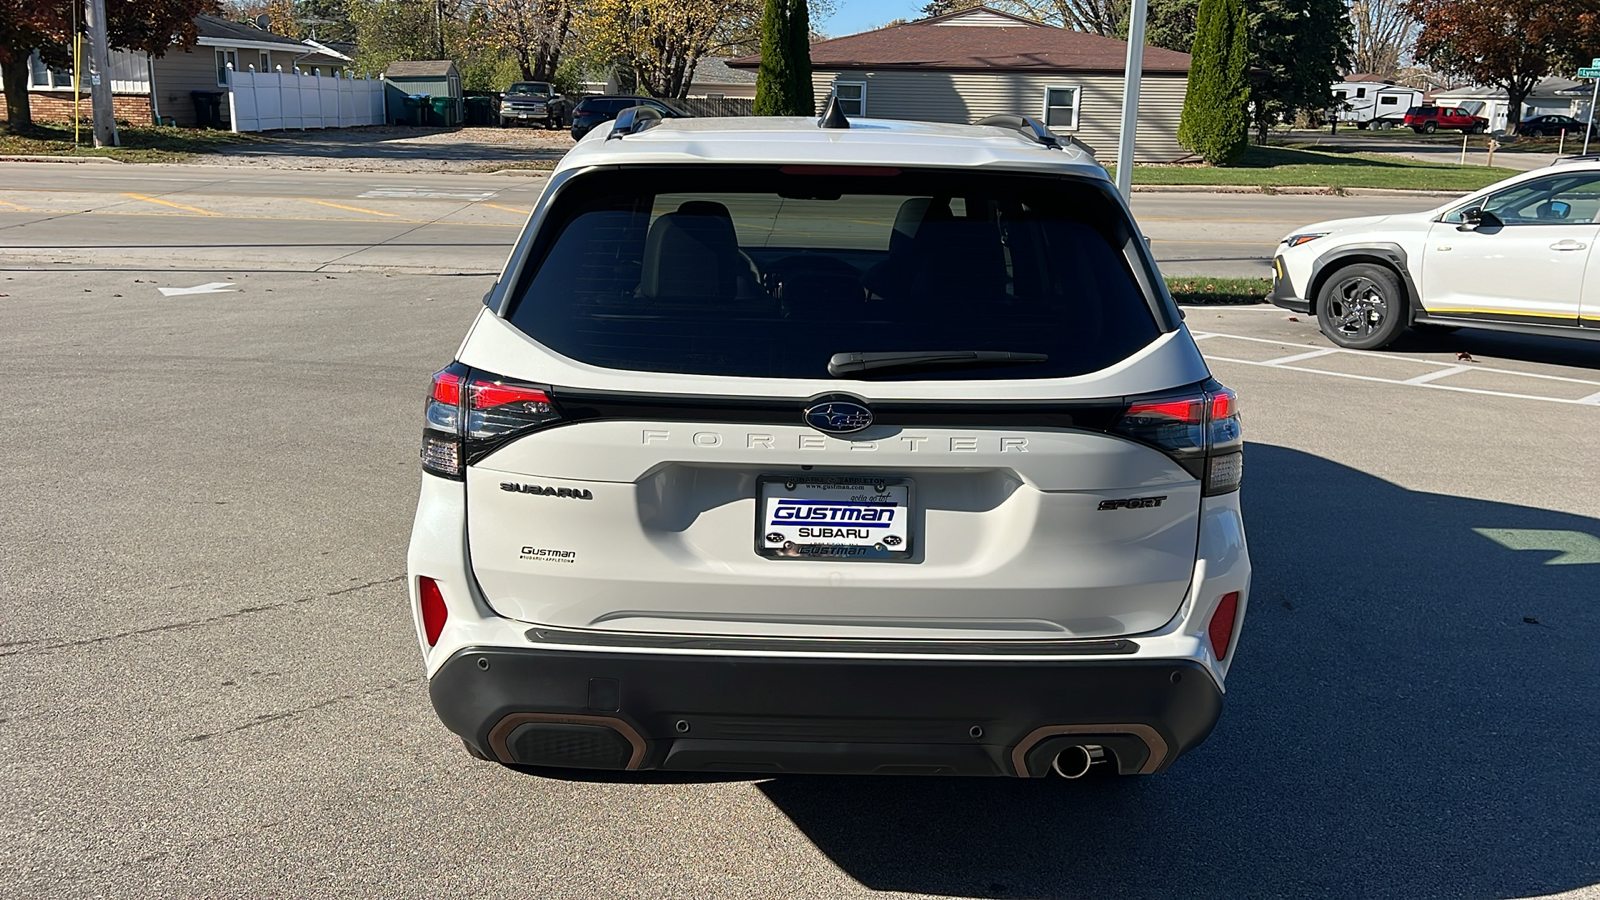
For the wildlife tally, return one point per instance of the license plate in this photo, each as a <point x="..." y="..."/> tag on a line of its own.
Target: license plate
<point x="834" y="517"/>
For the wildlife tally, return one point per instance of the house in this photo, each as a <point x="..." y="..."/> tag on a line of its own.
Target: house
<point x="979" y="62"/>
<point x="147" y="89"/>
<point x="1552" y="96"/>
<point x="713" y="79"/>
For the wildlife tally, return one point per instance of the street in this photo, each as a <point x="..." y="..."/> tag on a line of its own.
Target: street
<point x="209" y="678"/>
<point x="347" y="221"/>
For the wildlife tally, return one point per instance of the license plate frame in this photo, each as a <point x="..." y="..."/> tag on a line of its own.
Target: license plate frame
<point x="864" y="492"/>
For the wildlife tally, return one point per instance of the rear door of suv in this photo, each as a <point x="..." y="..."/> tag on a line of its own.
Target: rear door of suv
<point x="808" y="401"/>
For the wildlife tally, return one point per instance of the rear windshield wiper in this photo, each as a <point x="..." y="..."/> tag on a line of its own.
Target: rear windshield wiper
<point x="843" y="365"/>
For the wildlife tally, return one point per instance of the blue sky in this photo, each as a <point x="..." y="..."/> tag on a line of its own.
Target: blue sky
<point x="859" y="15"/>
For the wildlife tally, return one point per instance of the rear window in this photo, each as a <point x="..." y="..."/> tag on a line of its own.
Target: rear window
<point x="1421" y="110"/>
<point x="765" y="272"/>
<point x="606" y="106"/>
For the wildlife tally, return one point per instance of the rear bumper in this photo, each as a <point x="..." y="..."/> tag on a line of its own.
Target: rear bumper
<point x="607" y="709"/>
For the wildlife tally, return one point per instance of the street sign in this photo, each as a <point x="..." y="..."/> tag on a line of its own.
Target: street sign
<point x="1590" y="72"/>
<point x="1592" y="62"/>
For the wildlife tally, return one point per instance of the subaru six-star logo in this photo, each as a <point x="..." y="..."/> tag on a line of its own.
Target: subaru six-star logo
<point x="838" y="417"/>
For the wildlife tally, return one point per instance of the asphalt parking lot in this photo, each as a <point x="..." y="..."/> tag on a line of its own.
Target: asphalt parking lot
<point x="209" y="684"/>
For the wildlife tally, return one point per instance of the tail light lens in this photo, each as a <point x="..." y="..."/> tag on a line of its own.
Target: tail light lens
<point x="1221" y="627"/>
<point x="1199" y="430"/>
<point x="469" y="413"/>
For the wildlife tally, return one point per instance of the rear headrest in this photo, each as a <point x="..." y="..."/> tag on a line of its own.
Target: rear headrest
<point x="691" y="256"/>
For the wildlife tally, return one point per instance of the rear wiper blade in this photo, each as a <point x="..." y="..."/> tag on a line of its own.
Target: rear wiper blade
<point x="846" y="364"/>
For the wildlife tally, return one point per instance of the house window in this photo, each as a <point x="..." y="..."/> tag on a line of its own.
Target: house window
<point x="226" y="58"/>
<point x="266" y="63"/>
<point x="852" y="97"/>
<point x="42" y="77"/>
<point x="1061" y="107"/>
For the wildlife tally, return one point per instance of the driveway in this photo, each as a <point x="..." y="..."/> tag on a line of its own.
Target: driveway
<point x="400" y="148"/>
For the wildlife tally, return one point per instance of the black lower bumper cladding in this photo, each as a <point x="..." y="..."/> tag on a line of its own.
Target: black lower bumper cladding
<point x="727" y="713"/>
<point x="1283" y="292"/>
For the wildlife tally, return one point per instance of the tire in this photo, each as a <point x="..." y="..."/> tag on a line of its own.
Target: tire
<point x="1430" y="128"/>
<point x="1361" y="307"/>
<point x="1417" y="128"/>
<point x="1477" y="129"/>
<point x="1385" y="126"/>
<point x="1361" y="126"/>
<point x="505" y="122"/>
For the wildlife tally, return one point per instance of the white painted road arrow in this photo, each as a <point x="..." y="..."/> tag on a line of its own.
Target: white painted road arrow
<point x="215" y="287"/>
<point x="1576" y="548"/>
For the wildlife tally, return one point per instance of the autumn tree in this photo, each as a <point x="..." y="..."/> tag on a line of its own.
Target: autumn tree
<point x="534" y="32"/>
<point x="152" y="26"/>
<point x="660" y="42"/>
<point x="1171" y="24"/>
<point x="1382" y="31"/>
<point x="387" y="30"/>
<point x="1512" y="44"/>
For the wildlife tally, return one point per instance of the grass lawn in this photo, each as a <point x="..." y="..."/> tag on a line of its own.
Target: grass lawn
<point x="1298" y="167"/>
<point x="1202" y="291"/>
<point x="139" y="144"/>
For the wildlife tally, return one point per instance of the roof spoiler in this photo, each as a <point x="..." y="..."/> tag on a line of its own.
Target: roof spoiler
<point x="633" y="120"/>
<point x="1033" y="130"/>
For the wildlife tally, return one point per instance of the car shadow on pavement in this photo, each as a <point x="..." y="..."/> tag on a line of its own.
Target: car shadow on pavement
<point x="1414" y="712"/>
<point x="1548" y="349"/>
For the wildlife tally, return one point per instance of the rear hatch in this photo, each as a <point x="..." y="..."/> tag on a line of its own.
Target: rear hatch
<point x="876" y="404"/>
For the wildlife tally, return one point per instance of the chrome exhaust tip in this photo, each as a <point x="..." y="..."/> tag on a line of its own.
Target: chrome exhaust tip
<point x="1072" y="762"/>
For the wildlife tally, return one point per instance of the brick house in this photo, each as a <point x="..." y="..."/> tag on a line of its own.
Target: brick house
<point x="979" y="62"/>
<point x="145" y="87"/>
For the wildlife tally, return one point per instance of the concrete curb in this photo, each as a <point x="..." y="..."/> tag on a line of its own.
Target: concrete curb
<point x="41" y="157"/>
<point x="1294" y="190"/>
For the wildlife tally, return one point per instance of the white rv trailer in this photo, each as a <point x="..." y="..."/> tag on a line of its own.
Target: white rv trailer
<point x="1373" y="104"/>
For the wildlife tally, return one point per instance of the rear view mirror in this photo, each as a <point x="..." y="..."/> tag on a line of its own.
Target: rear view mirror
<point x="1556" y="209"/>
<point x="1474" y="219"/>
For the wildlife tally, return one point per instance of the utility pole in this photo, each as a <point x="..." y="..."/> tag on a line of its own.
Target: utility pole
<point x="105" y="121"/>
<point x="1130" y="98"/>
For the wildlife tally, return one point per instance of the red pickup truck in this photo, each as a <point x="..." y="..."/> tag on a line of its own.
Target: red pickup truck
<point x="1428" y="119"/>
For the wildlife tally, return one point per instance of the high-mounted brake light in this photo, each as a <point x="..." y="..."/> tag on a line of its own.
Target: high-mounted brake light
<point x="470" y="413"/>
<point x="1199" y="430"/>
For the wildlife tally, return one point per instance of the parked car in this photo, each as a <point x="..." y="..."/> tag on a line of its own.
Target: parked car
<point x="1428" y="119"/>
<point x="1514" y="256"/>
<point x="790" y="448"/>
<point x="1550" y="126"/>
<point x="535" y="101"/>
<point x="591" y="111"/>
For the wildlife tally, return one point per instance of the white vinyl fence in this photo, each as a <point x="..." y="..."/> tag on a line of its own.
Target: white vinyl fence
<point x="265" y="101"/>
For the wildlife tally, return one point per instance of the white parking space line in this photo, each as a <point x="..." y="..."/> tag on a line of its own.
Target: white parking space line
<point x="1426" y="380"/>
<point x="1430" y="376"/>
<point x="406" y="194"/>
<point x="1299" y="356"/>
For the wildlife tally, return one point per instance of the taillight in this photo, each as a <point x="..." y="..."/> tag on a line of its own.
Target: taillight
<point x="434" y="612"/>
<point x="1220" y="628"/>
<point x="469" y="413"/>
<point x="1199" y="430"/>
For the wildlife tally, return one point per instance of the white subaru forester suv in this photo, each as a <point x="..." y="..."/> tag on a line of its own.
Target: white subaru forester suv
<point x="829" y="446"/>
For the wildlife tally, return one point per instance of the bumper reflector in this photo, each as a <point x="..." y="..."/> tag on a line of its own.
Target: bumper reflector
<point x="434" y="612"/>
<point x="1221" y="627"/>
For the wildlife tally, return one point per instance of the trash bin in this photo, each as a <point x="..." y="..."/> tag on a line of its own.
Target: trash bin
<point x="416" y="109"/>
<point x="207" y="108"/>
<point x="444" y="112"/>
<point x="480" y="111"/>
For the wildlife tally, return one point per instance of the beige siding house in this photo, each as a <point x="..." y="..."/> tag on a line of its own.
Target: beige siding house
<point x="979" y="62"/>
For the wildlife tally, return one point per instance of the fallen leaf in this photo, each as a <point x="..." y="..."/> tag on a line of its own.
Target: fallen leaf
<point x="116" y="295"/>
<point x="1464" y="356"/>
<point x="1294" y="319"/>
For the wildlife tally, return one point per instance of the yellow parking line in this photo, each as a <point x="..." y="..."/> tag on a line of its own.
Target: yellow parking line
<point x="129" y="212"/>
<point x="202" y="212"/>
<point x="14" y="205"/>
<point x="520" y="212"/>
<point x="352" y="208"/>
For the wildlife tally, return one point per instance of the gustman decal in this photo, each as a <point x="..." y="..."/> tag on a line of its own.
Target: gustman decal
<point x="823" y="519"/>
<point x="572" y="493"/>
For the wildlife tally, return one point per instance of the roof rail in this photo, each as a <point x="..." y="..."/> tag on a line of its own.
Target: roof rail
<point x="1034" y="130"/>
<point x="633" y="120"/>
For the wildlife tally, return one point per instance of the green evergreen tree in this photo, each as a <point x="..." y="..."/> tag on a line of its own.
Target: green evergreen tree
<point x="802" y="97"/>
<point x="1216" y="110"/>
<point x="774" y="77"/>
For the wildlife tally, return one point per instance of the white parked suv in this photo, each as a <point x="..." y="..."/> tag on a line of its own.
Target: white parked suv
<point x="1514" y="256"/>
<point x="853" y="446"/>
